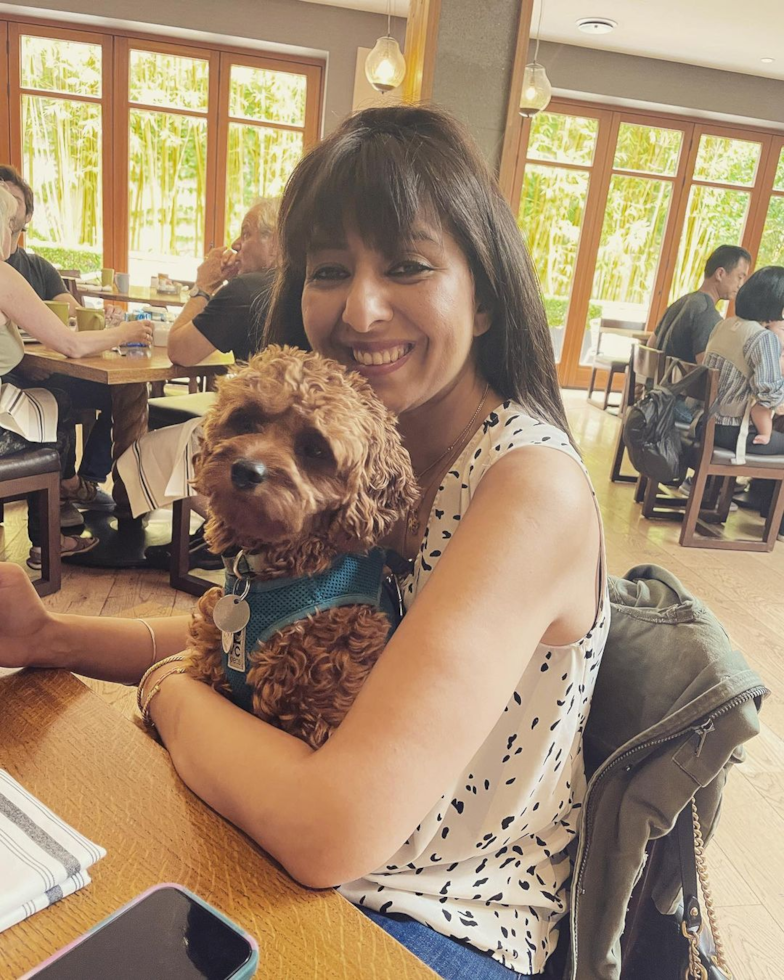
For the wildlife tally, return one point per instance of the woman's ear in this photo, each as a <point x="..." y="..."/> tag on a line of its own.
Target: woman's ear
<point x="482" y="321"/>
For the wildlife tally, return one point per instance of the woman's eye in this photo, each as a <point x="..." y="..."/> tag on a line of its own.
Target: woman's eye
<point x="409" y="268"/>
<point x="327" y="273"/>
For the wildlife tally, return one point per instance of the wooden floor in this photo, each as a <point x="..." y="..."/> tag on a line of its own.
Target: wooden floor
<point x="746" y="591"/>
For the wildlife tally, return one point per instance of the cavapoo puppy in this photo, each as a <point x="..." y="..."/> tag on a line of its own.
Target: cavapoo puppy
<point x="305" y="473"/>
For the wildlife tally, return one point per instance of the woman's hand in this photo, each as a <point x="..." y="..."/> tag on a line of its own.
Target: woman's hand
<point x="136" y="332"/>
<point x="25" y="622"/>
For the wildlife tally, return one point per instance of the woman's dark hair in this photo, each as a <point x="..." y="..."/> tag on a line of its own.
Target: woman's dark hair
<point x="380" y="172"/>
<point x="761" y="297"/>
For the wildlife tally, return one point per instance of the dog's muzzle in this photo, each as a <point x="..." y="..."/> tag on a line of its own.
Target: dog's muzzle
<point x="248" y="473"/>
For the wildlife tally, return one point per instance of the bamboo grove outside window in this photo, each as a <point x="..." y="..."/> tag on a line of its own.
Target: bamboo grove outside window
<point x="144" y="153"/>
<point x="620" y="209"/>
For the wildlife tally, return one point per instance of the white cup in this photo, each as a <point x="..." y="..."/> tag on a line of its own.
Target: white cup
<point x="160" y="334"/>
<point x="123" y="280"/>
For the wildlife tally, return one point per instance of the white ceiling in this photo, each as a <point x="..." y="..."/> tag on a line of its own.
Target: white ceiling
<point x="728" y="34"/>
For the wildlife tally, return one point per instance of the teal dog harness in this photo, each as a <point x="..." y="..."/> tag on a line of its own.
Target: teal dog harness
<point x="351" y="580"/>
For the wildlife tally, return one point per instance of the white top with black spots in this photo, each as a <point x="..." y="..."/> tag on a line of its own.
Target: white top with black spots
<point x="488" y="863"/>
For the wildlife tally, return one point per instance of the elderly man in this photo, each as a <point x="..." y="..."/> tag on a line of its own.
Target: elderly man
<point x="229" y="317"/>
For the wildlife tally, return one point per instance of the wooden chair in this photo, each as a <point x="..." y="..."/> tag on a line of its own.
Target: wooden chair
<point x="69" y="277"/>
<point x="37" y="472"/>
<point x="711" y="463"/>
<point x="646" y="367"/>
<point x="631" y="331"/>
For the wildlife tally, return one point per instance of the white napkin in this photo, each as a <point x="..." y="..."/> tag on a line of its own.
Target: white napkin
<point x="158" y="468"/>
<point x="31" y="414"/>
<point x="42" y="859"/>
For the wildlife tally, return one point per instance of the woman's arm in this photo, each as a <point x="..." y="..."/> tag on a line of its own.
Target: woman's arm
<point x="108" y="649"/>
<point x="511" y="576"/>
<point x="20" y="302"/>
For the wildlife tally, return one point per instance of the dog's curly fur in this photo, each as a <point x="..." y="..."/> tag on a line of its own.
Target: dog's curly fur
<point x="337" y="480"/>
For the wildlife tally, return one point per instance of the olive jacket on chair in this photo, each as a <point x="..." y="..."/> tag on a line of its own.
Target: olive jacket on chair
<point x="673" y="705"/>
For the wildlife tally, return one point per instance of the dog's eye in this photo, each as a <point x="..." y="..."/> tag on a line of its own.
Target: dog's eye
<point x="313" y="446"/>
<point x="244" y="422"/>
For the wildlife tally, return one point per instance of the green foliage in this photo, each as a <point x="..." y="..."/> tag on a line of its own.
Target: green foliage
<point x="556" y="308"/>
<point x="83" y="259"/>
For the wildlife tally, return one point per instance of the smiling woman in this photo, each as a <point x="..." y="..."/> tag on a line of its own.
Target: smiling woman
<point x="448" y="797"/>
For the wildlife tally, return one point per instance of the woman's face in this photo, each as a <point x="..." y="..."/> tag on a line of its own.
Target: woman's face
<point x="407" y="323"/>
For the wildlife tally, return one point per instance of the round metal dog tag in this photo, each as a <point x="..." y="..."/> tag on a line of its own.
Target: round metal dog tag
<point x="231" y="614"/>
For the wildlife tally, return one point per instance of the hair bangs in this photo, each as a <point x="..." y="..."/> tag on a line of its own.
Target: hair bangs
<point x="371" y="190"/>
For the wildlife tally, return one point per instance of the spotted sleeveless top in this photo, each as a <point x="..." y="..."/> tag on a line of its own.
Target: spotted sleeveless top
<point x="488" y="864"/>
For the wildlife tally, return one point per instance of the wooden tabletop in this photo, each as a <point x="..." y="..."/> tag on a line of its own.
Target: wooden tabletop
<point x="136" y="294"/>
<point x="136" y="364"/>
<point x="109" y="780"/>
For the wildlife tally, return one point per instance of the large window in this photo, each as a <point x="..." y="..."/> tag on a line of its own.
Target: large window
<point x="60" y="93"/>
<point x="145" y="153"/>
<point x="621" y="209"/>
<point x="552" y="206"/>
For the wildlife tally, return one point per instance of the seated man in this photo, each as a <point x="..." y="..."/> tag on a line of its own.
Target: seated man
<point x="685" y="328"/>
<point x="226" y="317"/>
<point x="46" y="282"/>
<point x="229" y="317"/>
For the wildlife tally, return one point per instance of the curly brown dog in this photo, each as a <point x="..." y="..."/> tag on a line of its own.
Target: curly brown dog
<point x="301" y="464"/>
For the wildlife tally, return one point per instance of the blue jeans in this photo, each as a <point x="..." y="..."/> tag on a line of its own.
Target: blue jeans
<point x="682" y="412"/>
<point x="97" y="454"/>
<point x="449" y="958"/>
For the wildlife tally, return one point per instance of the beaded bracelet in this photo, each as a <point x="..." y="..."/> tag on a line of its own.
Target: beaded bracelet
<point x="155" y="688"/>
<point x="140" y="688"/>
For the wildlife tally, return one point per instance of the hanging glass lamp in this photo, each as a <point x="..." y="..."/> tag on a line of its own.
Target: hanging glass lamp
<point x="385" y="66"/>
<point x="537" y="90"/>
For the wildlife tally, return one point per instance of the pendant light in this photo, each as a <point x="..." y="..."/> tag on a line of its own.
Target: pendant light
<point x="537" y="90"/>
<point x="385" y="66"/>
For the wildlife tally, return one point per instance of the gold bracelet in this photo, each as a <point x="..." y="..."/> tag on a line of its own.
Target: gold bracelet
<point x="155" y="688"/>
<point x="166" y="660"/>
<point x="154" y="648"/>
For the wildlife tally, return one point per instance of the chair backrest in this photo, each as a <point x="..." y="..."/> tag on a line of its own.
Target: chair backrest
<point x="631" y="325"/>
<point x="70" y="273"/>
<point x="648" y="364"/>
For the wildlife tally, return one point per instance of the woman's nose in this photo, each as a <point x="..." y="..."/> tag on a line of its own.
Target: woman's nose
<point x="366" y="304"/>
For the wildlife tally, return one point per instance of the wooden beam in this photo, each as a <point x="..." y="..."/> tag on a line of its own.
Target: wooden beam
<point x="514" y="121"/>
<point x="420" y="50"/>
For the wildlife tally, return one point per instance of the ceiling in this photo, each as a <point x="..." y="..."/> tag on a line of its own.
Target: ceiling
<point x="724" y="34"/>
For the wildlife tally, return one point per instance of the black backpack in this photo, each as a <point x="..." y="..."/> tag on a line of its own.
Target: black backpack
<point x="654" y="444"/>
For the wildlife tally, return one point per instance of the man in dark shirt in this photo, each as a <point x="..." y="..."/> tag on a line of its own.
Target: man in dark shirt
<point x="47" y="283"/>
<point x="686" y="326"/>
<point x="229" y="317"/>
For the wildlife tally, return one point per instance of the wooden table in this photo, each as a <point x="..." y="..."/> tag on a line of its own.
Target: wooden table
<point x="127" y="374"/>
<point x="136" y="294"/>
<point x="109" y="780"/>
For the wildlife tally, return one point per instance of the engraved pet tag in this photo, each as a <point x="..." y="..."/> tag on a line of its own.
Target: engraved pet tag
<point x="231" y="614"/>
<point x="236" y="650"/>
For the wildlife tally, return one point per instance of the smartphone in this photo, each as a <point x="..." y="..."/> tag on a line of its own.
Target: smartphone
<point x="166" y="932"/>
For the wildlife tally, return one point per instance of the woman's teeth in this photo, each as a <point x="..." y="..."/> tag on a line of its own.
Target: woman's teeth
<point x="389" y="356"/>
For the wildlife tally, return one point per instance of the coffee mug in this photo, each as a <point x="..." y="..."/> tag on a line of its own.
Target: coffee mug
<point x="90" y="319"/>
<point x="123" y="280"/>
<point x="107" y="277"/>
<point x="60" y="309"/>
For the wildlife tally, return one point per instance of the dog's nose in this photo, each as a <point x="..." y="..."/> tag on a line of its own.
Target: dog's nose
<point x="248" y="473"/>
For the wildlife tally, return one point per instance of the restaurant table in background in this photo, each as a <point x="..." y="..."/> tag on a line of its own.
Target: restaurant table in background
<point x="136" y="294"/>
<point x="127" y="374"/>
<point x="113" y="783"/>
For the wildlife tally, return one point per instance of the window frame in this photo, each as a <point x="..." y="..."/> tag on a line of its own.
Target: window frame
<point x="571" y="373"/>
<point x="115" y="102"/>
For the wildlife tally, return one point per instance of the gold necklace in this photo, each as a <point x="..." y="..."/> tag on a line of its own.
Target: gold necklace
<point x="413" y="524"/>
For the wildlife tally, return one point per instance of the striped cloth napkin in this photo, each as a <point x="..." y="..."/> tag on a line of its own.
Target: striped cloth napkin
<point x="42" y="859"/>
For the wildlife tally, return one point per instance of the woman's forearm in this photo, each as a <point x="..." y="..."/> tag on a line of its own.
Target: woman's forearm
<point x="108" y="649"/>
<point x="255" y="775"/>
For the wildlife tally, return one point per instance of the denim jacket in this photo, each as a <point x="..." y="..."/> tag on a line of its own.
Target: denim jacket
<point x="672" y="707"/>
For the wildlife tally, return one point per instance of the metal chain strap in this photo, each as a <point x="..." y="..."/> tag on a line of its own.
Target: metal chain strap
<point x="698" y="971"/>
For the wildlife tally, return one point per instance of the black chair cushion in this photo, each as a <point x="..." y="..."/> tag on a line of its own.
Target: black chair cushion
<point x="179" y="408"/>
<point x="30" y="462"/>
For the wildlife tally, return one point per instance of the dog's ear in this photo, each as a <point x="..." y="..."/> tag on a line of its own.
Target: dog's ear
<point x="387" y="487"/>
